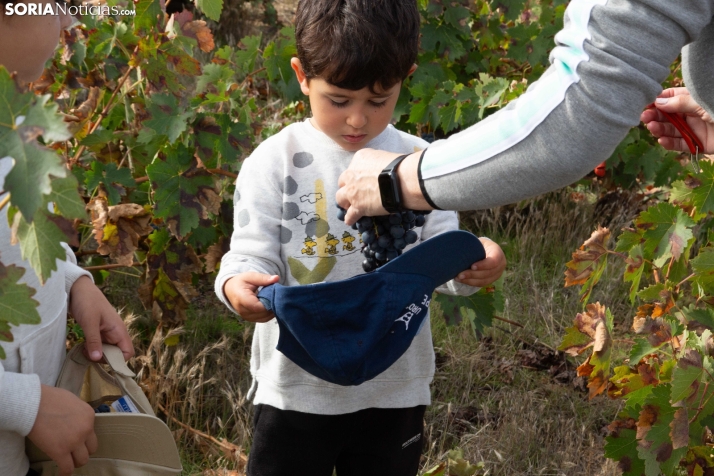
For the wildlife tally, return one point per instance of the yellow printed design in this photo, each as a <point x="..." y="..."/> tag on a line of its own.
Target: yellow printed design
<point x="310" y="244"/>
<point x="331" y="243"/>
<point x="347" y="239"/>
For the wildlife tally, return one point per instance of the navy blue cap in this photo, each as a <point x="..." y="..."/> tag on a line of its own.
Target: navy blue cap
<point x="347" y="332"/>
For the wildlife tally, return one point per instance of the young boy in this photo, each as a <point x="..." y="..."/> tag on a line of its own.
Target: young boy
<point x="352" y="58"/>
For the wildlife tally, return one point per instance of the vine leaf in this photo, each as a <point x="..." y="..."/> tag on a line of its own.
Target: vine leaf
<point x="633" y="272"/>
<point x="696" y="190"/>
<point x="703" y="266"/>
<point x="39" y="242"/>
<point x="667" y="230"/>
<point x="479" y="308"/>
<point x="165" y="116"/>
<point x="66" y="198"/>
<point x="16" y="303"/>
<point x="687" y="376"/>
<point x="183" y="192"/>
<point x="621" y="446"/>
<point x="595" y="324"/>
<point x="211" y="8"/>
<point x="112" y="179"/>
<point x="202" y="33"/>
<point x="588" y="263"/>
<point x="654" y="432"/>
<point x="24" y="118"/>
<point x="117" y="229"/>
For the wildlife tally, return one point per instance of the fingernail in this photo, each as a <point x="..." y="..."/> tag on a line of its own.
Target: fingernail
<point x="662" y="100"/>
<point x="474" y="267"/>
<point x="462" y="276"/>
<point x="96" y="355"/>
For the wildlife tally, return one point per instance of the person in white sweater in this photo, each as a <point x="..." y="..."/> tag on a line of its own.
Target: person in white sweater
<point x="352" y="58"/>
<point x="57" y="421"/>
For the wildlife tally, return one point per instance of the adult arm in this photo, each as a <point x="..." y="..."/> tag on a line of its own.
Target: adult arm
<point x="607" y="66"/>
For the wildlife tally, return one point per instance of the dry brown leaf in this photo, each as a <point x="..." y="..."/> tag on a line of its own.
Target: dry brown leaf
<point x="117" y="229"/>
<point x="197" y="29"/>
<point x="680" y="429"/>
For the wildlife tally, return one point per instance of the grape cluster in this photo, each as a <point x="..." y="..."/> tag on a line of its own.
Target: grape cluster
<point x="385" y="237"/>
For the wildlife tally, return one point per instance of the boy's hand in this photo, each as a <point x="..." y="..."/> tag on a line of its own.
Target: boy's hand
<point x="241" y="292"/>
<point x="98" y="319"/>
<point x="488" y="270"/>
<point x="64" y="429"/>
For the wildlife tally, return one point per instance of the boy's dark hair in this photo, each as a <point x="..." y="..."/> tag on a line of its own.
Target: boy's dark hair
<point x="354" y="44"/>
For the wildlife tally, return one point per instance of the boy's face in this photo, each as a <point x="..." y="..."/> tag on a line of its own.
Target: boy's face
<point x="350" y="118"/>
<point x="28" y="41"/>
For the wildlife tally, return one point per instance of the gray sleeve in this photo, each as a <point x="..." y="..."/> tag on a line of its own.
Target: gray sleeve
<point x="257" y="208"/>
<point x="609" y="62"/>
<point x="19" y="401"/>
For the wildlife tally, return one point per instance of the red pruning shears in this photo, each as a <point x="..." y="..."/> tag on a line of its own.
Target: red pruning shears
<point x="695" y="145"/>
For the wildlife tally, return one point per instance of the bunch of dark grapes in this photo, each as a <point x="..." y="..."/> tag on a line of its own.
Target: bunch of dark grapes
<point x="385" y="237"/>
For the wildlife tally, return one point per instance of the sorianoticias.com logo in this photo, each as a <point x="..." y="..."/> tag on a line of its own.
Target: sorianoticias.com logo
<point x="57" y="8"/>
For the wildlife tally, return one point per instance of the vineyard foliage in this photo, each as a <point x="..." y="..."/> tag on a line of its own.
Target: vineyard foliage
<point x="129" y="145"/>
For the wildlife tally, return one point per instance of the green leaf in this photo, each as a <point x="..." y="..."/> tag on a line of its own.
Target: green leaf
<point x="16" y="303"/>
<point x="179" y="188"/>
<point x="656" y="447"/>
<point x="627" y="240"/>
<point x="633" y="272"/>
<point x="479" y="308"/>
<point x="25" y="117"/>
<point x="111" y="177"/>
<point x="147" y="14"/>
<point x="40" y="244"/>
<point x="704" y="317"/>
<point x="697" y="190"/>
<point x="248" y="53"/>
<point x="667" y="232"/>
<point x="623" y="449"/>
<point x="165" y="116"/>
<point x="211" y="8"/>
<point x="640" y="348"/>
<point x="66" y="197"/>
<point x="687" y="375"/>
<point x="703" y="266"/>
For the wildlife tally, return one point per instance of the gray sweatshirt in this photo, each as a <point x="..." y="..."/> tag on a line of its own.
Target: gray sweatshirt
<point x="286" y="224"/>
<point x="37" y="352"/>
<point x="610" y="59"/>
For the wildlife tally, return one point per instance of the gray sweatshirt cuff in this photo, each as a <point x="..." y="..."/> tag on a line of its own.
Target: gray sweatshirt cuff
<point x="220" y="282"/>
<point x="19" y="402"/>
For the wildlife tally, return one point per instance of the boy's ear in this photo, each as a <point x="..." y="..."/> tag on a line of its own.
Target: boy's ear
<point x="412" y="69"/>
<point x="300" y="74"/>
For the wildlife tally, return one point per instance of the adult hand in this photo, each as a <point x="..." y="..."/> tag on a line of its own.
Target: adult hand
<point x="679" y="101"/>
<point x="359" y="189"/>
<point x="98" y="319"/>
<point x="241" y="292"/>
<point x="64" y="429"/>
<point x="488" y="270"/>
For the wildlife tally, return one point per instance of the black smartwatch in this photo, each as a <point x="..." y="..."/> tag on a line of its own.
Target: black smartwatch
<point x="389" y="188"/>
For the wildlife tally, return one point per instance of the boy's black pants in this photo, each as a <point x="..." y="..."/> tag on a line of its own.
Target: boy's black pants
<point x="374" y="442"/>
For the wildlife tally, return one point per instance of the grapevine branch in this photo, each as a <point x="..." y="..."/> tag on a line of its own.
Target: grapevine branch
<point x="105" y="110"/>
<point x="4" y="201"/>
<point x="103" y="267"/>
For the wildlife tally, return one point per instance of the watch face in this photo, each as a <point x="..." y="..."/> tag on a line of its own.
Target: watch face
<point x="386" y="191"/>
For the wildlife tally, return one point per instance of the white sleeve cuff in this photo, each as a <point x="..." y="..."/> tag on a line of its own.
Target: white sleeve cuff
<point x="19" y="402"/>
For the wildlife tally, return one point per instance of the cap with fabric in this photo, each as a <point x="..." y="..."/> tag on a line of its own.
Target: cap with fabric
<point x="350" y="331"/>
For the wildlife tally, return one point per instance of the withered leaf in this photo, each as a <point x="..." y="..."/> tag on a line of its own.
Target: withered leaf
<point x="197" y="29"/>
<point x="117" y="229"/>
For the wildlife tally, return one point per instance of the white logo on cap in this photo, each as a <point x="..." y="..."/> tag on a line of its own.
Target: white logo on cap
<point x="413" y="310"/>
